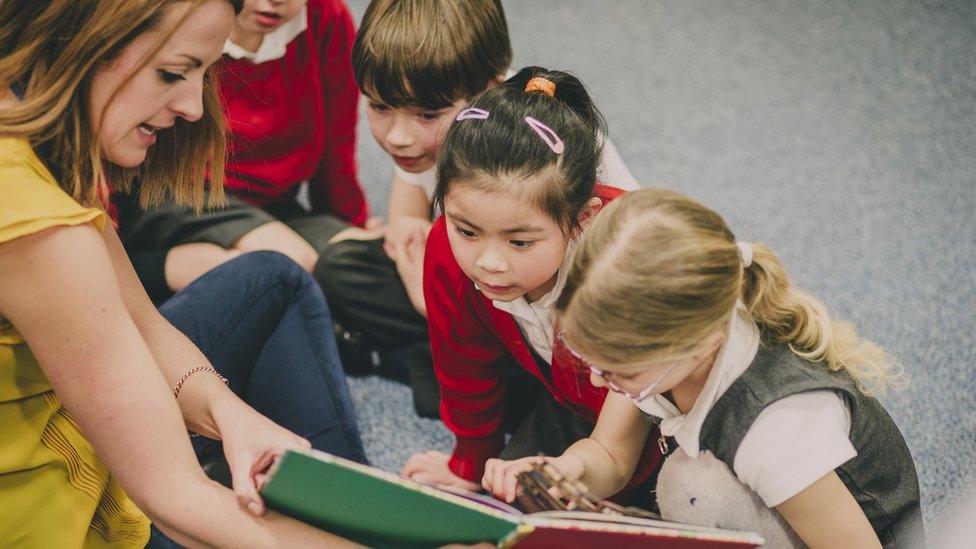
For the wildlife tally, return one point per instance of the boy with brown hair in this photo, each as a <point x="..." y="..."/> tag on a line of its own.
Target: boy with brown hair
<point x="417" y="62"/>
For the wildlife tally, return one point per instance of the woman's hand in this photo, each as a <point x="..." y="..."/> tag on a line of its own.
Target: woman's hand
<point x="501" y="477"/>
<point x="431" y="468"/>
<point x="252" y="444"/>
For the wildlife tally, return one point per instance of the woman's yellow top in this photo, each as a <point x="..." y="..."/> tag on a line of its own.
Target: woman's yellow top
<point x="54" y="491"/>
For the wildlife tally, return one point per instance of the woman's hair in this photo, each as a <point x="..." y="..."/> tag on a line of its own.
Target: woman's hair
<point x="51" y="49"/>
<point x="657" y="272"/>
<point x="430" y="53"/>
<point x="503" y="151"/>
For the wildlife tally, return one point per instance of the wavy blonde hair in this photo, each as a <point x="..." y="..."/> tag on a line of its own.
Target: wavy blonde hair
<point x="657" y="272"/>
<point x="51" y="49"/>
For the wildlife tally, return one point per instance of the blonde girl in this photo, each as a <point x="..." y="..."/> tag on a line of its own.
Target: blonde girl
<point x="94" y="92"/>
<point x="763" y="394"/>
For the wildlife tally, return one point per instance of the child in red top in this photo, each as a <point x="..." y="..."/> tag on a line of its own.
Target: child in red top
<point x="287" y="84"/>
<point x="516" y="183"/>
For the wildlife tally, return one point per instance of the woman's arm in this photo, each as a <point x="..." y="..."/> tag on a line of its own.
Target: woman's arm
<point x="825" y="514"/>
<point x="62" y="294"/>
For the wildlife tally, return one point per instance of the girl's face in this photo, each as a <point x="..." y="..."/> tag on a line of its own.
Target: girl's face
<point x="169" y="86"/>
<point x="639" y="381"/>
<point x="410" y="135"/>
<point x="508" y="247"/>
<point x="264" y="16"/>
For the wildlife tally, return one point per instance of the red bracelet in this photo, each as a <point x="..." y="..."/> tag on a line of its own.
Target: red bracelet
<point x="190" y="372"/>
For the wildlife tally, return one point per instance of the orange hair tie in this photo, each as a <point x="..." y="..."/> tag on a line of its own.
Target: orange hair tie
<point x="540" y="84"/>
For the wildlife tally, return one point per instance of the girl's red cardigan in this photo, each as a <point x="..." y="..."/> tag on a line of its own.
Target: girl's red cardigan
<point x="467" y="336"/>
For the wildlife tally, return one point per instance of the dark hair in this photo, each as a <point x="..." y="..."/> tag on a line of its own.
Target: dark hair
<point x="503" y="149"/>
<point x="430" y="53"/>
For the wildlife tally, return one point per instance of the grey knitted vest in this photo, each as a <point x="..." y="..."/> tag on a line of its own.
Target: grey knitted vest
<point x="882" y="477"/>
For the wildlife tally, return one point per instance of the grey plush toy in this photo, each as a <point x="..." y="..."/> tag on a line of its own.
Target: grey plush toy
<point x="704" y="491"/>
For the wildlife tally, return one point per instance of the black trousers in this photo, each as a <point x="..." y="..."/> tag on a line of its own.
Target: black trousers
<point x="366" y="294"/>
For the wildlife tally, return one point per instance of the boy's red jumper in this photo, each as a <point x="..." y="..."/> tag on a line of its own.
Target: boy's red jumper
<point x="294" y="119"/>
<point x="468" y="335"/>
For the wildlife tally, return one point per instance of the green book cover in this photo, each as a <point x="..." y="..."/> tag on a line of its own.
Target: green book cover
<point x="378" y="508"/>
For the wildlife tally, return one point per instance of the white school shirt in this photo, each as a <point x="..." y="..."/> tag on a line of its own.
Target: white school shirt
<point x="274" y="44"/>
<point x="535" y="320"/>
<point x="792" y="443"/>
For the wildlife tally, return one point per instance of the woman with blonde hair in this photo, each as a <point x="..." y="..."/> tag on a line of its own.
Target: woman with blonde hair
<point x="769" y="401"/>
<point x="97" y="390"/>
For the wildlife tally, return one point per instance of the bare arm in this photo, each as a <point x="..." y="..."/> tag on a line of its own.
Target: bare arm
<point x="406" y="237"/>
<point x="62" y="293"/>
<point x="604" y="461"/>
<point x="825" y="514"/>
<point x="611" y="452"/>
<point x="408" y="200"/>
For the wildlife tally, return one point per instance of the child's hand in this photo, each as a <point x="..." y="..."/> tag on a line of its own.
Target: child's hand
<point x="431" y="468"/>
<point x="403" y="230"/>
<point x="501" y="477"/>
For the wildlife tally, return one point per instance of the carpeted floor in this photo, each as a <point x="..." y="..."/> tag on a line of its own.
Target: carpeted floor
<point x="841" y="133"/>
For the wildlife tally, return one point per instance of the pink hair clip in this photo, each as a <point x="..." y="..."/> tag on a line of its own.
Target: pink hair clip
<point x="472" y="113"/>
<point x="547" y="135"/>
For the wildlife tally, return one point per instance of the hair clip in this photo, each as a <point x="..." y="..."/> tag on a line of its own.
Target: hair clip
<point x="472" y="113"/>
<point x="540" y="84"/>
<point x="547" y="135"/>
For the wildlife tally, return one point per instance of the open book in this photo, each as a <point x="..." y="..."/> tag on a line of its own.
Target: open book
<point x="381" y="509"/>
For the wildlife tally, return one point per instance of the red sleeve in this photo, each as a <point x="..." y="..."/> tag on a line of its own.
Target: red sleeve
<point x="465" y="353"/>
<point x="335" y="188"/>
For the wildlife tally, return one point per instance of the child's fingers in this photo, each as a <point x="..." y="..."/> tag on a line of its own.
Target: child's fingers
<point x="511" y="478"/>
<point x="488" y="480"/>
<point x="411" y="466"/>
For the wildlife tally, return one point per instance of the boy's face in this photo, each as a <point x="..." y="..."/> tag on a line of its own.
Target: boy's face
<point x="264" y="16"/>
<point x="411" y="135"/>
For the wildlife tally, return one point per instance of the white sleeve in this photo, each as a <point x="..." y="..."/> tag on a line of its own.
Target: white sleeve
<point x="426" y="180"/>
<point x="613" y="171"/>
<point x="793" y="443"/>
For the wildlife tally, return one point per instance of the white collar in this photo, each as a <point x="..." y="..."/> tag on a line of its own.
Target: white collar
<point x="521" y="308"/>
<point x="733" y="359"/>
<point x="274" y="44"/>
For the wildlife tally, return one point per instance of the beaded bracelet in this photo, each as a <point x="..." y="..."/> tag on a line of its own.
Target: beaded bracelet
<point x="184" y="377"/>
<point x="190" y="372"/>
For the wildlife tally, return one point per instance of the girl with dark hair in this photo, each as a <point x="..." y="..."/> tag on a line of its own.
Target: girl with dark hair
<point x="517" y="183"/>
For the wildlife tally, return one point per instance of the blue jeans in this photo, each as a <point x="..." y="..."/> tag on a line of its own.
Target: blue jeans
<point x="264" y="325"/>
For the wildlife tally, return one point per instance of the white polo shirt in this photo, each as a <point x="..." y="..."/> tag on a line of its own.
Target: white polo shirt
<point x="792" y="443"/>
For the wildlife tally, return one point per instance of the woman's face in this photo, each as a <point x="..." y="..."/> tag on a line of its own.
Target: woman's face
<point x="168" y="87"/>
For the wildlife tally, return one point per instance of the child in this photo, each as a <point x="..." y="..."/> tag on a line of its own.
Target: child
<point x="417" y="63"/>
<point x="516" y="183"/>
<point x="286" y="82"/>
<point x="97" y="389"/>
<point x="749" y="375"/>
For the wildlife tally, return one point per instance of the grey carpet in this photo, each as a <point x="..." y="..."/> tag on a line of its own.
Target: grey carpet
<point x="841" y="133"/>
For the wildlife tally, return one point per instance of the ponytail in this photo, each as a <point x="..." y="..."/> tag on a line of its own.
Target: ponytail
<point x="791" y="316"/>
<point x="658" y="272"/>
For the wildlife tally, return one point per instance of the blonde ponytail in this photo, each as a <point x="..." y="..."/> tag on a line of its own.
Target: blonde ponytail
<point x="656" y="272"/>
<point x="791" y="316"/>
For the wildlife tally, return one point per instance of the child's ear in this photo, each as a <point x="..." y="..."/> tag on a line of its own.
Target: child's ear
<point x="589" y="211"/>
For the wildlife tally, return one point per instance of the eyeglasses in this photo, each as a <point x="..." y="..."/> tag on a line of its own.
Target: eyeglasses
<point x="606" y="376"/>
